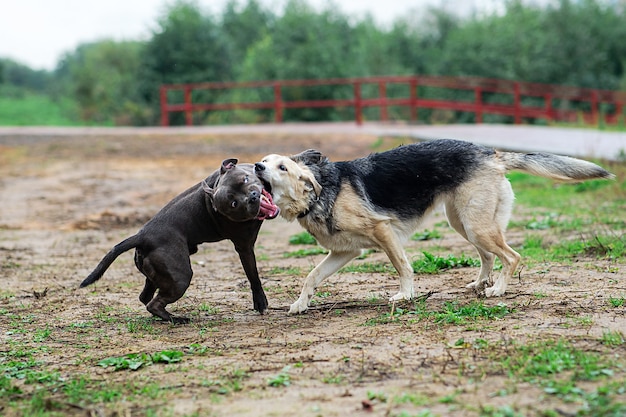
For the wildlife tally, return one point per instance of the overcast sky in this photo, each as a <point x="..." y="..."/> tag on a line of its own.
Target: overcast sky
<point x="38" y="32"/>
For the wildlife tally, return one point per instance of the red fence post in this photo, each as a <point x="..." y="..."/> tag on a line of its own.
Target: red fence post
<point x="478" y="98"/>
<point x="188" y="112"/>
<point x="278" y="104"/>
<point x="358" y="104"/>
<point x="548" y="105"/>
<point x="594" y="107"/>
<point x="413" y="98"/>
<point x="382" y="94"/>
<point x="165" y="120"/>
<point x="517" y="103"/>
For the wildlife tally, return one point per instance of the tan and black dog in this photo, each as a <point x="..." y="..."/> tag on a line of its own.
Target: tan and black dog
<point x="380" y="200"/>
<point x="230" y="204"/>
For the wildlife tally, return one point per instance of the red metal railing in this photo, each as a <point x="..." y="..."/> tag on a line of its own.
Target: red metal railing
<point x="599" y="105"/>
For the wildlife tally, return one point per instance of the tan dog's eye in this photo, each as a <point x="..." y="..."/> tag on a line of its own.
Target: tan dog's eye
<point x="282" y="167"/>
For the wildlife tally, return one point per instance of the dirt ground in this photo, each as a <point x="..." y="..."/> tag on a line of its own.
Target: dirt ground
<point x="66" y="201"/>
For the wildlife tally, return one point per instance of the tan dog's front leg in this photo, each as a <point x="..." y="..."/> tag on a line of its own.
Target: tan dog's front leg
<point x="331" y="264"/>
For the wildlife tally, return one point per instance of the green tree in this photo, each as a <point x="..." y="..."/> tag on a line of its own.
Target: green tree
<point x="244" y="26"/>
<point x="576" y="43"/>
<point x="304" y="44"/>
<point x="187" y="47"/>
<point x="21" y="76"/>
<point x="101" y="76"/>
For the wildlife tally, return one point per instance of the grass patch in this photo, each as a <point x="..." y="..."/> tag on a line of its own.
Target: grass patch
<point x="450" y="313"/>
<point x="369" y="268"/>
<point x="596" y="246"/>
<point x="303" y="238"/>
<point x="32" y="109"/>
<point x="559" y="368"/>
<point x="613" y="338"/>
<point x="426" y="235"/>
<point x="283" y="379"/>
<point x="228" y="383"/>
<point x="285" y="270"/>
<point x="535" y="362"/>
<point x="432" y="264"/>
<point x="303" y="253"/>
<point x="135" y="361"/>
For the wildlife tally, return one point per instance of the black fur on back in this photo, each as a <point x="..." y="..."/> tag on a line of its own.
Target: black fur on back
<point x="403" y="181"/>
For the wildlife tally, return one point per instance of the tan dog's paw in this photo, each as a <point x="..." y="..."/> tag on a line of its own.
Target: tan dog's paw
<point x="300" y="306"/>
<point x="401" y="296"/>
<point x="494" y="291"/>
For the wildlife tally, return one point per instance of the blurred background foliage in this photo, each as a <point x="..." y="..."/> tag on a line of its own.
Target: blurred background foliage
<point x="578" y="43"/>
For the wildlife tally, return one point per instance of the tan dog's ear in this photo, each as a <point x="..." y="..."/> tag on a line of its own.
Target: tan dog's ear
<point x="311" y="183"/>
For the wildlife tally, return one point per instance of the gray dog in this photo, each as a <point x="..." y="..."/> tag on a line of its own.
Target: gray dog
<point x="230" y="204"/>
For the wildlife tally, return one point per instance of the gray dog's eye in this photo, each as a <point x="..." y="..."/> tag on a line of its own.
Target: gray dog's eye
<point x="233" y="204"/>
<point x="282" y="167"/>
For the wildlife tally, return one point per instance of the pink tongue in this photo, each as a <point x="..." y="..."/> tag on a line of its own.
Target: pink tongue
<point x="269" y="210"/>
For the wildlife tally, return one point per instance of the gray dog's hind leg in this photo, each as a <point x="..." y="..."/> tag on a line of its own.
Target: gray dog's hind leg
<point x="172" y="277"/>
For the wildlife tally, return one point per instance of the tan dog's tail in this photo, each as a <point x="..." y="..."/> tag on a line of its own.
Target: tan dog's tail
<point x="556" y="167"/>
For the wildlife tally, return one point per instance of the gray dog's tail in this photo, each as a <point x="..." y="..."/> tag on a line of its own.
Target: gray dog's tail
<point x="556" y="167"/>
<point x="108" y="259"/>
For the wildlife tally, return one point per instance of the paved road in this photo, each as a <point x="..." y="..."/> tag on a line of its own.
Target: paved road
<point x="586" y="143"/>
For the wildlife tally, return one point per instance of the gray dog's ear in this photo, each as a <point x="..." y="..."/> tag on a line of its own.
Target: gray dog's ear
<point x="207" y="189"/>
<point x="309" y="157"/>
<point x="228" y="164"/>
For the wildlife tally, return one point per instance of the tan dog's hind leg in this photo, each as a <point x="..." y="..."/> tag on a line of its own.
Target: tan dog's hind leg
<point x="385" y="237"/>
<point x="486" y="258"/>
<point x="331" y="264"/>
<point x="480" y="212"/>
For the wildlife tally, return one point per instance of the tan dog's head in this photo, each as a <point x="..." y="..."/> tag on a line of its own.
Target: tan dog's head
<point x="290" y="181"/>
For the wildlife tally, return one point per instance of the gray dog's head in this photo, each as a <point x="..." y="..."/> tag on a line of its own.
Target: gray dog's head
<point x="239" y="195"/>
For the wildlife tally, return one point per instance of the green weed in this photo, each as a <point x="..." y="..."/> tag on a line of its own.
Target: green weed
<point x="426" y="235"/>
<point x="208" y="308"/>
<point x="283" y="379"/>
<point x="432" y="264"/>
<point x="303" y="238"/>
<point x="333" y="379"/>
<point x="282" y="270"/>
<point x="613" y="338"/>
<point x="368" y="268"/>
<point x="141" y="325"/>
<point x="135" y="361"/>
<point x="303" y="253"/>
<point x="503" y="411"/>
<point x="228" y="383"/>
